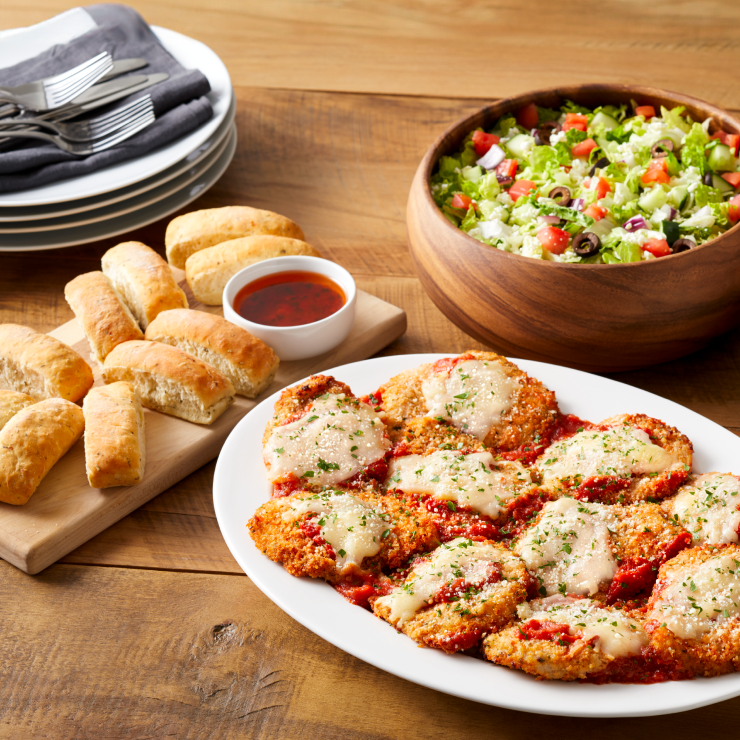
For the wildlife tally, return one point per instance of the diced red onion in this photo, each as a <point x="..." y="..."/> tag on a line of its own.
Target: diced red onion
<point x="672" y="213"/>
<point x="504" y="179"/>
<point x="634" y="224"/>
<point x="492" y="158"/>
<point x="579" y="204"/>
<point x="550" y="219"/>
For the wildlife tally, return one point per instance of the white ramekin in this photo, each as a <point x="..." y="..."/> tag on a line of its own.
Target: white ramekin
<point x="307" y="340"/>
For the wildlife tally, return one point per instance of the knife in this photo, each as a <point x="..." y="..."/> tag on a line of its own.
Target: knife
<point x="121" y="67"/>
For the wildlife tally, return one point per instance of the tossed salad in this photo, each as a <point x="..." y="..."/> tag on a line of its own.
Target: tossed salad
<point x="609" y="185"/>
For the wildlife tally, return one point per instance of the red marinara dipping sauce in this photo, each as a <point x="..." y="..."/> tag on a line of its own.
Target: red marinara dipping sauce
<point x="290" y="298"/>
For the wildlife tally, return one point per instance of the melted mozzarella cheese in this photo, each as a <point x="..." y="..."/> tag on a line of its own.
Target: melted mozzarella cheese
<point x="620" y="452"/>
<point x="335" y="440"/>
<point x="459" y="558"/>
<point x="616" y="635"/>
<point x="570" y="549"/>
<point x="473" y="481"/>
<point x="350" y="525"/>
<point x="701" y="597"/>
<point x="708" y="508"/>
<point x="473" y="397"/>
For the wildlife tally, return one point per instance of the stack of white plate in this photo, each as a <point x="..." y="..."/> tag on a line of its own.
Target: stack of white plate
<point x="131" y="194"/>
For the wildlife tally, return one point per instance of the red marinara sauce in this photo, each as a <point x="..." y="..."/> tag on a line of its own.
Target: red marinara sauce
<point x="290" y="298"/>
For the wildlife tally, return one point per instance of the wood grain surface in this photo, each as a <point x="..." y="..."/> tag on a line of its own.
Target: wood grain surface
<point x="338" y="101"/>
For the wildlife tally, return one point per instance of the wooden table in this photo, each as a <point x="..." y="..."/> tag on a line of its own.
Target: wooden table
<point x="151" y="630"/>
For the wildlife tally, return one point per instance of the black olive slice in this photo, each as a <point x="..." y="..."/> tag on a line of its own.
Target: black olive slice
<point x="708" y="179"/>
<point x="682" y="245"/>
<point x="560" y="194"/>
<point x="543" y="133"/>
<point x="586" y="244"/>
<point x="661" y="148"/>
<point x="598" y="164"/>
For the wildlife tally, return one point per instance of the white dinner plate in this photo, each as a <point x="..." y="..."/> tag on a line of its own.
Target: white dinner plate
<point x="240" y="486"/>
<point x="121" y="224"/>
<point x="130" y="205"/>
<point x="207" y="149"/>
<point x="191" y="54"/>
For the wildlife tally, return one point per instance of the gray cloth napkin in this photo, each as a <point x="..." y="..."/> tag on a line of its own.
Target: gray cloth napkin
<point x="178" y="101"/>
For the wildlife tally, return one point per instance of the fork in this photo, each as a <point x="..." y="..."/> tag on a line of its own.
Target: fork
<point x="95" y="128"/>
<point x="55" y="91"/>
<point x="136" y="123"/>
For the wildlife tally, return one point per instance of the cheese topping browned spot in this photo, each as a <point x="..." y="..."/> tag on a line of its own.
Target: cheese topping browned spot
<point x="335" y="440"/>
<point x="616" y="635"/>
<point x="351" y="526"/>
<point x="701" y="597"/>
<point x="473" y="397"/>
<point x="620" y="452"/>
<point x="570" y="550"/>
<point x="473" y="481"/>
<point x="708" y="508"/>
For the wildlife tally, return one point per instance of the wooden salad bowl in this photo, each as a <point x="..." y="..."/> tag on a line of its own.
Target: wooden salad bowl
<point x="594" y="317"/>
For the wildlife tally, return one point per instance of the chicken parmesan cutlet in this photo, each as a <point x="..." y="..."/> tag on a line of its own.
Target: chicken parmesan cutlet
<point x="611" y="553"/>
<point x="322" y="435"/>
<point x="452" y="597"/>
<point x="708" y="506"/>
<point x="693" y="615"/>
<point x="567" y="639"/>
<point x="468" y="493"/>
<point x="480" y="393"/>
<point x="344" y="536"/>
<point x="624" y="459"/>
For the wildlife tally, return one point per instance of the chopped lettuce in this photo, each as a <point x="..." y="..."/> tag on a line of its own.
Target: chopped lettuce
<point x="692" y="152"/>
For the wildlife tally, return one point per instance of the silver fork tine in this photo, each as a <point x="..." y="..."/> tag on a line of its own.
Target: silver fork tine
<point x="126" y="133"/>
<point x="59" y="95"/>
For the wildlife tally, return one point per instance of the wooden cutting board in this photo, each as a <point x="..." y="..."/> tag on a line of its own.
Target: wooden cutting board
<point x="65" y="511"/>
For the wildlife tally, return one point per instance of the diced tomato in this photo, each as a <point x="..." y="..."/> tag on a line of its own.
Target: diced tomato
<point x="584" y="148"/>
<point x="596" y="211"/>
<point x="507" y="168"/>
<point x="733" y="212"/>
<point x="460" y="200"/>
<point x="731" y="140"/>
<point x="601" y="188"/>
<point x="527" y="117"/>
<point x="520" y="188"/>
<point x="554" y="240"/>
<point x="483" y="141"/>
<point x="657" y="171"/>
<point x="575" y="120"/>
<point x="732" y="177"/>
<point x="656" y="247"/>
<point x="645" y="110"/>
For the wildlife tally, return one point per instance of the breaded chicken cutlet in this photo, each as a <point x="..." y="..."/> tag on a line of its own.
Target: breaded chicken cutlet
<point x="322" y="435"/>
<point x="480" y="393"/>
<point x="337" y="533"/>
<point x="693" y="616"/>
<point x="567" y="639"/>
<point x="624" y="459"/>
<point x="608" y="552"/>
<point x="452" y="597"/>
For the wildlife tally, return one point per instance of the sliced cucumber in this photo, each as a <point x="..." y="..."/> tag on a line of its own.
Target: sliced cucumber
<point x="722" y="185"/>
<point x="677" y="196"/>
<point x="520" y="145"/>
<point x="653" y="199"/>
<point x="721" y="159"/>
<point x="671" y="231"/>
<point x="605" y="120"/>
